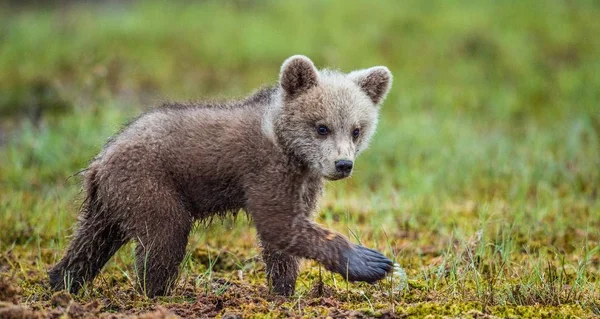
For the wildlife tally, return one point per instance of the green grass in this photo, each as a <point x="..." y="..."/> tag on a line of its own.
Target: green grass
<point x="482" y="182"/>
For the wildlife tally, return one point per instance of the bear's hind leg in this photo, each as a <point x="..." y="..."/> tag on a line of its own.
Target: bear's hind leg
<point x="282" y="270"/>
<point x="95" y="242"/>
<point x="161" y="242"/>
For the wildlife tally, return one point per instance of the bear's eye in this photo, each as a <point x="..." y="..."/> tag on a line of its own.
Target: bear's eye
<point x="356" y="133"/>
<point x="322" y="130"/>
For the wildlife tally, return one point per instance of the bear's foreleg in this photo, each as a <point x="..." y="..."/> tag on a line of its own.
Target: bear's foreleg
<point x="297" y="235"/>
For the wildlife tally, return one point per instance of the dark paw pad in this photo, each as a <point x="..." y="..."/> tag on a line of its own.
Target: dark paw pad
<point x="56" y="279"/>
<point x="364" y="264"/>
<point x="61" y="279"/>
<point x="283" y="289"/>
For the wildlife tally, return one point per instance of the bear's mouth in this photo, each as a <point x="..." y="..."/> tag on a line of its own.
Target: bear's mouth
<point x="336" y="176"/>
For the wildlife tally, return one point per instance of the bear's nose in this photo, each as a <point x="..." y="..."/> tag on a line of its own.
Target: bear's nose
<point x="343" y="166"/>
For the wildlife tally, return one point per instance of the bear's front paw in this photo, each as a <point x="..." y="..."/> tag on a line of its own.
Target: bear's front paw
<point x="364" y="264"/>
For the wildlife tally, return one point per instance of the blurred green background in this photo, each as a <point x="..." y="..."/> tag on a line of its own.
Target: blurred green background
<point x="494" y="99"/>
<point x="493" y="121"/>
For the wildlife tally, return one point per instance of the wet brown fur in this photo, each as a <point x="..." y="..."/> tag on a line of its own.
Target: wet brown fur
<point x="181" y="163"/>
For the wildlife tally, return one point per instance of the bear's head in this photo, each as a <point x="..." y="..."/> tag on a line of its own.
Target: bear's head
<point x="326" y="118"/>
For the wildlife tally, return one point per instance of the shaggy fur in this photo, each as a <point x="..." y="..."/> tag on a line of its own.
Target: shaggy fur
<point x="266" y="154"/>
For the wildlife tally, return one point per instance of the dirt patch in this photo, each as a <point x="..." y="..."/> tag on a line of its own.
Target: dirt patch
<point x="238" y="301"/>
<point x="61" y="299"/>
<point x="9" y="292"/>
<point x="159" y="313"/>
<point x="10" y="311"/>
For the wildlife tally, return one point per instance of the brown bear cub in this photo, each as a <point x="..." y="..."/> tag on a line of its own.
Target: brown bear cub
<point x="267" y="154"/>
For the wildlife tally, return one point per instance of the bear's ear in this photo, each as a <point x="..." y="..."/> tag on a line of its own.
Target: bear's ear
<point x="375" y="82"/>
<point x="298" y="74"/>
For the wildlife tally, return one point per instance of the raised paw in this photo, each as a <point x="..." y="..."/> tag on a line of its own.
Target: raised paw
<point x="364" y="264"/>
